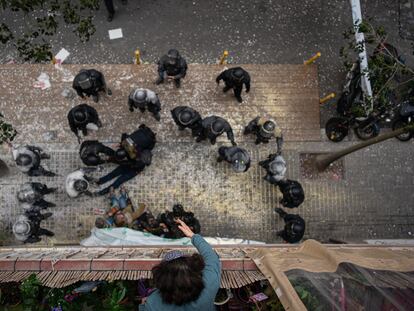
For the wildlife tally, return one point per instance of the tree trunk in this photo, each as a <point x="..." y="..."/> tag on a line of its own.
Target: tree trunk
<point x="4" y="170"/>
<point x="322" y="161"/>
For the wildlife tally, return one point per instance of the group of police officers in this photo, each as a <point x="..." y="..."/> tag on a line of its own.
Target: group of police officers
<point x="135" y="150"/>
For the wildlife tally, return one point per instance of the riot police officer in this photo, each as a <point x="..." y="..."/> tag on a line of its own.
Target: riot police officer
<point x="145" y="99"/>
<point x="83" y="118"/>
<point x="133" y="156"/>
<point x="293" y="194"/>
<point x="93" y="153"/>
<point x="90" y="82"/>
<point x="213" y="127"/>
<point x="28" y="160"/>
<point x="172" y="67"/>
<point x="239" y="158"/>
<point x="77" y="183"/>
<point x="27" y="227"/>
<point x="32" y="193"/>
<point x="265" y="129"/>
<point x="275" y="166"/>
<point x="186" y="117"/>
<point x="294" y="227"/>
<point x="234" y="78"/>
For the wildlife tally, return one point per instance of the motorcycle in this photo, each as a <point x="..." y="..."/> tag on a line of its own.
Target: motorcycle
<point x="405" y="118"/>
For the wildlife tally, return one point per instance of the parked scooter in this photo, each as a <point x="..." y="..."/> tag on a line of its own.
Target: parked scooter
<point x="405" y="118"/>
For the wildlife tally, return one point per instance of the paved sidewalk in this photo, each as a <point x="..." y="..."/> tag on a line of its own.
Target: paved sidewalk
<point x="374" y="200"/>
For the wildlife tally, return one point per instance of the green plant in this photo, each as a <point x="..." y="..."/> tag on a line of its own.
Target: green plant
<point x="388" y="74"/>
<point x="30" y="290"/>
<point x="116" y="297"/>
<point x="310" y="301"/>
<point x="41" y="20"/>
<point x="7" y="132"/>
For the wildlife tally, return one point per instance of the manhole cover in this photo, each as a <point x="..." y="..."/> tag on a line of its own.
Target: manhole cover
<point x="308" y="169"/>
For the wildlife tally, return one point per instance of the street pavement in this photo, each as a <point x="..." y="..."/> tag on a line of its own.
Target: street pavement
<point x="374" y="198"/>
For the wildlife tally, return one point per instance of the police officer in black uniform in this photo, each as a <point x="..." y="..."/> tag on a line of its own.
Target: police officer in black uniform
<point x="83" y="117"/>
<point x="33" y="193"/>
<point x="133" y="156"/>
<point x="294" y="227"/>
<point x="213" y="127"/>
<point x="90" y="82"/>
<point x="28" y="159"/>
<point x="234" y="78"/>
<point x="265" y="129"/>
<point x="293" y="194"/>
<point x="239" y="158"/>
<point x="171" y="66"/>
<point x="93" y="153"/>
<point x="143" y="99"/>
<point x="275" y="166"/>
<point x="186" y="117"/>
<point x="27" y="227"/>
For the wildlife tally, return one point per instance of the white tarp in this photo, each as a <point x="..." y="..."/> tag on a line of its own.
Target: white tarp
<point x="125" y="236"/>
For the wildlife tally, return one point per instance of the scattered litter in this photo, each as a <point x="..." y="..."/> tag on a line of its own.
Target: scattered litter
<point x="50" y="135"/>
<point x="42" y="82"/>
<point x="61" y="56"/>
<point x="115" y="33"/>
<point x="68" y="93"/>
<point x="99" y="211"/>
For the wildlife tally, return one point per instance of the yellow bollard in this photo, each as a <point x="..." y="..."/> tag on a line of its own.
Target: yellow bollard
<point x="312" y="59"/>
<point x="54" y="61"/>
<point x="223" y="57"/>
<point x="137" y="57"/>
<point x="326" y="98"/>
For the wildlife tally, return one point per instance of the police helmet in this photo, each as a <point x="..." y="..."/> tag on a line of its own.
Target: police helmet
<point x="217" y="127"/>
<point x="269" y="126"/>
<point x="23" y="160"/>
<point x="21" y="228"/>
<point x="278" y="166"/>
<point x="240" y="164"/>
<point x="140" y="96"/>
<point x="237" y="74"/>
<point x="80" y="185"/>
<point x="173" y="56"/>
<point x="178" y="210"/>
<point x="185" y="117"/>
<point x="79" y="116"/>
<point x="84" y="80"/>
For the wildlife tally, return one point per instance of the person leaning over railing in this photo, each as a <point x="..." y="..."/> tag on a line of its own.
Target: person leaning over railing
<point x="186" y="282"/>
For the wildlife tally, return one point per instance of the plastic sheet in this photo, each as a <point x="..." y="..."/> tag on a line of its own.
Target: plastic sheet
<point x="353" y="287"/>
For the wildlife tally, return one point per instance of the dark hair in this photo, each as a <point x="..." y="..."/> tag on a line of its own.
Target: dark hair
<point x="180" y="280"/>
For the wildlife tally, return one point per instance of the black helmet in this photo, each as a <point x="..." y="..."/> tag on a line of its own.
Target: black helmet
<point x="80" y="185"/>
<point x="297" y="228"/>
<point x="217" y="127"/>
<point x="23" y="160"/>
<point x="237" y="74"/>
<point x="173" y="56"/>
<point x="185" y="117"/>
<point x="178" y="210"/>
<point x="241" y="162"/>
<point x="120" y="154"/>
<point x="79" y="116"/>
<point x="84" y="80"/>
<point x="269" y="126"/>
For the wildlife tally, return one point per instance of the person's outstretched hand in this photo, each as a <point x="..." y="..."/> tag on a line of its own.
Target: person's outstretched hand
<point x="184" y="228"/>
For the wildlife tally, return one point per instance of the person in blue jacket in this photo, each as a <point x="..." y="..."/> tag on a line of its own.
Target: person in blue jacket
<point x="186" y="282"/>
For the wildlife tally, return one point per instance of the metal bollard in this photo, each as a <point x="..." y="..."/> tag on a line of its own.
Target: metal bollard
<point x="137" y="57"/>
<point x="312" y="59"/>
<point x="223" y="57"/>
<point x="326" y="98"/>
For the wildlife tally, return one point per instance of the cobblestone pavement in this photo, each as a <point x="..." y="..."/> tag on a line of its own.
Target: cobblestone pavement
<point x="374" y="200"/>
